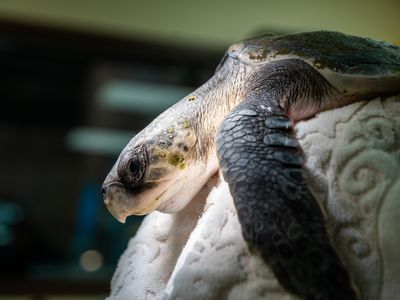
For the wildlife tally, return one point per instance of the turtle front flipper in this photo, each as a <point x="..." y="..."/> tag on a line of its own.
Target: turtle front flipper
<point x="261" y="160"/>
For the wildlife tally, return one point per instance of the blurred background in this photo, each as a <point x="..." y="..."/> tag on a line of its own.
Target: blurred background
<point x="78" y="79"/>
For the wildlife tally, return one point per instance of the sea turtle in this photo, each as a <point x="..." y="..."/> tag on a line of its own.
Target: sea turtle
<point x="241" y="122"/>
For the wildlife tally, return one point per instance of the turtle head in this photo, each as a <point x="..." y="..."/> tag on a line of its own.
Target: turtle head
<point x="169" y="162"/>
<point x="160" y="168"/>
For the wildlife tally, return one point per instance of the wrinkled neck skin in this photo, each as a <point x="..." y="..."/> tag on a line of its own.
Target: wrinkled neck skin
<point x="180" y="144"/>
<point x="212" y="102"/>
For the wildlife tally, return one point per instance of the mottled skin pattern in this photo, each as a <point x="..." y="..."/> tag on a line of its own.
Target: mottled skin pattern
<point x="248" y="109"/>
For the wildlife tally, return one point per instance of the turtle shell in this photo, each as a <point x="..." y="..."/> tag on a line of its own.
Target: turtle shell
<point x="337" y="51"/>
<point x="352" y="64"/>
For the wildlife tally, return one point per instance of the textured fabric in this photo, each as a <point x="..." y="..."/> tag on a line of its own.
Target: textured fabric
<point x="353" y="167"/>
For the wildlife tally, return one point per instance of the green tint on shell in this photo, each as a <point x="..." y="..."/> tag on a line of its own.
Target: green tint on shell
<point x="339" y="52"/>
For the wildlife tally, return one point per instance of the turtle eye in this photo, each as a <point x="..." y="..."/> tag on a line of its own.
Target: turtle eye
<point x="135" y="169"/>
<point x="132" y="166"/>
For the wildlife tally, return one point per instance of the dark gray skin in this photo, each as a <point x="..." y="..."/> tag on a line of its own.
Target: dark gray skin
<point x="248" y="110"/>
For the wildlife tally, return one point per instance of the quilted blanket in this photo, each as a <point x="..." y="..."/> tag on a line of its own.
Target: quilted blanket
<point x="353" y="169"/>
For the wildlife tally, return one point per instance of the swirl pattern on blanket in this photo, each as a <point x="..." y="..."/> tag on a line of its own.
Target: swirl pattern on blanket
<point x="353" y="168"/>
<point x="361" y="175"/>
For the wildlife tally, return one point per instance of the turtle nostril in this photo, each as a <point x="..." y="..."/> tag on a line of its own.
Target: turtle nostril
<point x="103" y="192"/>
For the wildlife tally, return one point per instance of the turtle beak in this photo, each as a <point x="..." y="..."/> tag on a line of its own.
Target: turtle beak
<point x="110" y="190"/>
<point x="120" y="217"/>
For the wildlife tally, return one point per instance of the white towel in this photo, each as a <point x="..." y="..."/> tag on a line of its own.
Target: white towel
<point x="353" y="168"/>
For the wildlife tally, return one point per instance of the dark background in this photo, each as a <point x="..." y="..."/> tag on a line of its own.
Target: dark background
<point x="78" y="79"/>
<point x="51" y="211"/>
